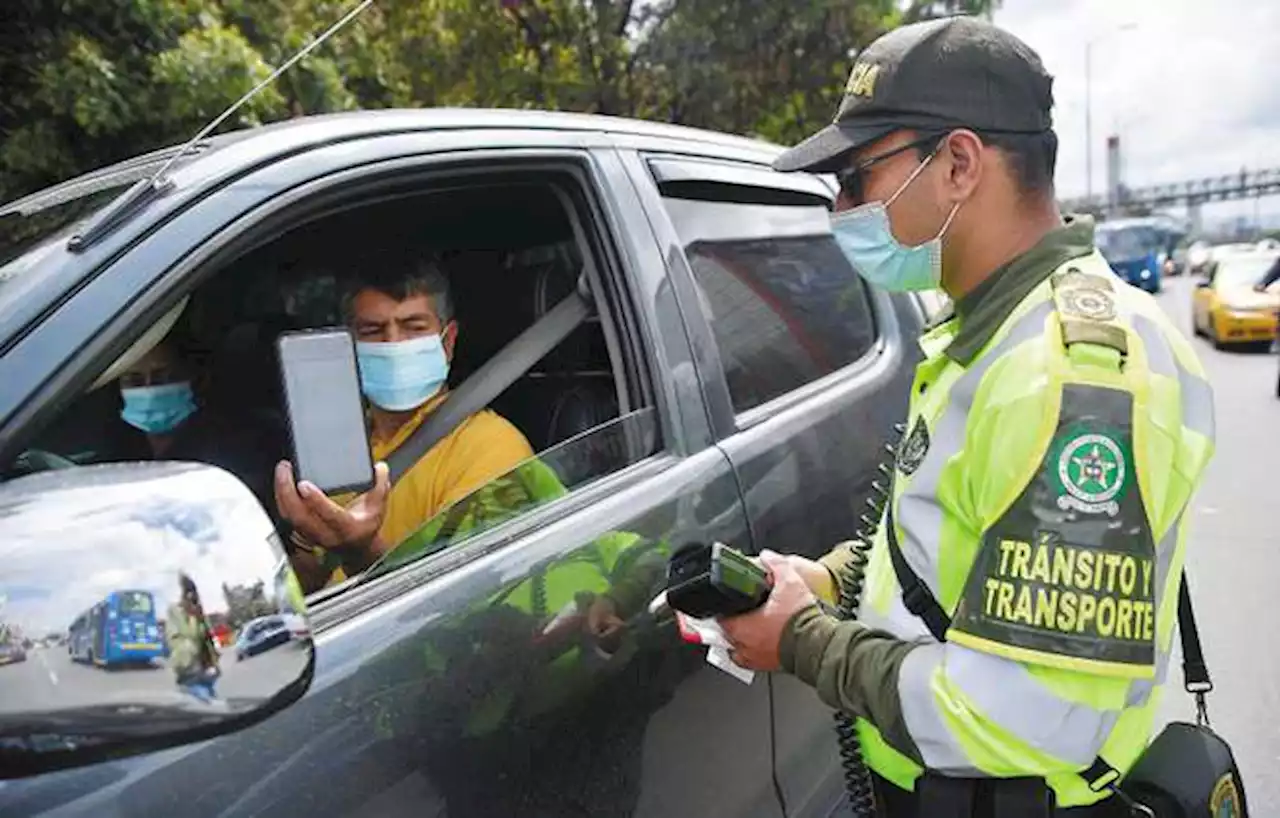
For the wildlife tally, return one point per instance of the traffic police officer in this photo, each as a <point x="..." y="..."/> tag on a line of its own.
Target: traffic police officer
<point x="1021" y="591"/>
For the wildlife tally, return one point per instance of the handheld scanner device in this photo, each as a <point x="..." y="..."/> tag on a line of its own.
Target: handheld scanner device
<point x="705" y="581"/>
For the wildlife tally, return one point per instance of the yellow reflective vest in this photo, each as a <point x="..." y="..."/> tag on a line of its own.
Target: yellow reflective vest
<point x="1039" y="493"/>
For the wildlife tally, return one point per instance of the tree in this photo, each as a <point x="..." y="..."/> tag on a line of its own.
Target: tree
<point x="90" y="83"/>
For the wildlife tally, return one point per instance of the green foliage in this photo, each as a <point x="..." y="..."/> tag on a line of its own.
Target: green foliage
<point x="88" y="83"/>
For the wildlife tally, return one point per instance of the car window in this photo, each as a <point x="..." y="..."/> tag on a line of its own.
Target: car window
<point x="785" y="305"/>
<point x="540" y="480"/>
<point x="1242" y="270"/>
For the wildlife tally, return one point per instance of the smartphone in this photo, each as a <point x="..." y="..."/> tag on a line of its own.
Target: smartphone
<point x="326" y="416"/>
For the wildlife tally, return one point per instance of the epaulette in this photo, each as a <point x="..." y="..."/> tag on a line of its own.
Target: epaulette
<point x="1086" y="305"/>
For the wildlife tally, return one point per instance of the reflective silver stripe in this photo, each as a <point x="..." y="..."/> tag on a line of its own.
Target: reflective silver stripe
<point x="918" y="514"/>
<point x="1140" y="690"/>
<point x="938" y="747"/>
<point x="1196" y="394"/>
<point x="1197" y="403"/>
<point x="1005" y="693"/>
<point x="1160" y="357"/>
<point x="897" y="620"/>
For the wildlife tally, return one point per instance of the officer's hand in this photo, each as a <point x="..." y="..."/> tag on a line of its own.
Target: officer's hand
<point x="323" y="521"/>
<point x="757" y="636"/>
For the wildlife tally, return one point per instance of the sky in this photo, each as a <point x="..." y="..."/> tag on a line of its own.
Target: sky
<point x="1190" y="88"/>
<point x="129" y="536"/>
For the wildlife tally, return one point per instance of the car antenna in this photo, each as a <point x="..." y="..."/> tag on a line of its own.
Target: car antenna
<point x="142" y="192"/>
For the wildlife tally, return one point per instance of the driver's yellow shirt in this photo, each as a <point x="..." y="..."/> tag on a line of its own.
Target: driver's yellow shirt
<point x="482" y="447"/>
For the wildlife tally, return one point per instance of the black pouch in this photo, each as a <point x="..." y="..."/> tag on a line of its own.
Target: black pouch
<point x="1187" y="772"/>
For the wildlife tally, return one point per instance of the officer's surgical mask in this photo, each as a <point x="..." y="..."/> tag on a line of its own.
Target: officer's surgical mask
<point x="401" y="375"/>
<point x="159" y="409"/>
<point x="865" y="236"/>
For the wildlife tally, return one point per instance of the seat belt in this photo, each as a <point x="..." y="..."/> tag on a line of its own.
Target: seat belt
<point x="493" y="378"/>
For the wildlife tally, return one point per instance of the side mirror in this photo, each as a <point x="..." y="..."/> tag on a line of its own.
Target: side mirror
<point x="163" y="608"/>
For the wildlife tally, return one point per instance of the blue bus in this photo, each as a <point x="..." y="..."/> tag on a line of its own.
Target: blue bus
<point x="118" y="630"/>
<point x="1135" y="249"/>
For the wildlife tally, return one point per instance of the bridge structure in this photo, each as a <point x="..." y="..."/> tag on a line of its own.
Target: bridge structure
<point x="1246" y="184"/>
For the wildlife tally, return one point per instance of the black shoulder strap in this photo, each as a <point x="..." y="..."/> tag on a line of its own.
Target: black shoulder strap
<point x="1195" y="673"/>
<point x="916" y="596"/>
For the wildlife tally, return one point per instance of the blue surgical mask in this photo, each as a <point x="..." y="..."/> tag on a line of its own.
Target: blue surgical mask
<point x="160" y="409"/>
<point x="402" y="375"/>
<point x="866" y="237"/>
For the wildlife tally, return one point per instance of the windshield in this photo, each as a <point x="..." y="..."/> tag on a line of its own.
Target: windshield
<point x="1242" y="271"/>
<point x="1126" y="243"/>
<point x="138" y="602"/>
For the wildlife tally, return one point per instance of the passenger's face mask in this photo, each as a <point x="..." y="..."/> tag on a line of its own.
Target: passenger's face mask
<point x="402" y="375"/>
<point x="160" y="409"/>
<point x="865" y="236"/>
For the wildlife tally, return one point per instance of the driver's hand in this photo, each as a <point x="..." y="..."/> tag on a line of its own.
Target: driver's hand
<point x="324" y="522"/>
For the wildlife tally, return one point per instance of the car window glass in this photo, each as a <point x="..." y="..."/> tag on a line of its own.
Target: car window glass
<point x="541" y="480"/>
<point x="785" y="305"/>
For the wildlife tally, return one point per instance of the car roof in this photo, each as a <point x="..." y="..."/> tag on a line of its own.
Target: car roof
<point x="266" y="140"/>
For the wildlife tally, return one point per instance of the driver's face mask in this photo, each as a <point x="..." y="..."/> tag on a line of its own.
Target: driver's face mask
<point x="866" y="237"/>
<point x="402" y="375"/>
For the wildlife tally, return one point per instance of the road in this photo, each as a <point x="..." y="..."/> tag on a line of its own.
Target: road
<point x="49" y="680"/>
<point x="1234" y="559"/>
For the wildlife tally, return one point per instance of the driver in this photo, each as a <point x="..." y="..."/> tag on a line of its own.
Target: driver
<point x="399" y="308"/>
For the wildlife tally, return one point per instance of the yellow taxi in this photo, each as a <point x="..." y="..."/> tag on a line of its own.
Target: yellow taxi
<point x="1226" y="308"/>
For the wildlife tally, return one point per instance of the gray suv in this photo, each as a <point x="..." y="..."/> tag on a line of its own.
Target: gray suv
<point x="733" y="381"/>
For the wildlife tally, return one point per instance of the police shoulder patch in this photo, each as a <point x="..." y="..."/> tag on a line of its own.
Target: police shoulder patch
<point x="1067" y="576"/>
<point x="913" y="448"/>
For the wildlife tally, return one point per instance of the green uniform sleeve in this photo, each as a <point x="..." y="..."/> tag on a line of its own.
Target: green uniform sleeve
<point x="853" y="668"/>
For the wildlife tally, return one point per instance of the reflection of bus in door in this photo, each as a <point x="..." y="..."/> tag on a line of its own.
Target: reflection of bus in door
<point x="120" y="629"/>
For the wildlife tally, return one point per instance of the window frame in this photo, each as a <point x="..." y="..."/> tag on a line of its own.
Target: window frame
<point x="771" y="185"/>
<point x="578" y="187"/>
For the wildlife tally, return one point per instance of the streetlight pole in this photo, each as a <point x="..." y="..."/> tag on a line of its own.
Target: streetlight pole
<point x="1088" y="107"/>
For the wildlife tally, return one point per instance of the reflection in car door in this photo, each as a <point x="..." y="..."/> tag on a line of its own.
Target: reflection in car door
<point x="433" y="697"/>
<point x="805" y="459"/>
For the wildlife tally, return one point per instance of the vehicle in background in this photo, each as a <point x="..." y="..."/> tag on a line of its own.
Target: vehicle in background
<point x="121" y="629"/>
<point x="1133" y="248"/>
<point x="1225" y="307"/>
<point x="261" y="634"/>
<point x="12" y="653"/>
<point x="1199" y="254"/>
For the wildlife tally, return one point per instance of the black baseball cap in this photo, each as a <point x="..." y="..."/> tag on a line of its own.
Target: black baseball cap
<point x="956" y="72"/>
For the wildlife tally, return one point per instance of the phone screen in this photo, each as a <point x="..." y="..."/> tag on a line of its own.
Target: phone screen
<point x="326" y="417"/>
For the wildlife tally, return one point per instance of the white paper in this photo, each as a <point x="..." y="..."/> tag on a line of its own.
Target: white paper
<point x="710" y="633"/>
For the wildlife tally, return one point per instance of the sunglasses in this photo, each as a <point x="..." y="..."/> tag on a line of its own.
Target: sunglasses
<point x="852" y="179"/>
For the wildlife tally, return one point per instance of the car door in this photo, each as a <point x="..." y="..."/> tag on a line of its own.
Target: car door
<point x="431" y="691"/>
<point x="813" y="370"/>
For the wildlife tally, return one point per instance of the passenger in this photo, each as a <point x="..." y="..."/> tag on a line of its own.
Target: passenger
<point x="399" y="308"/>
<point x="161" y="405"/>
